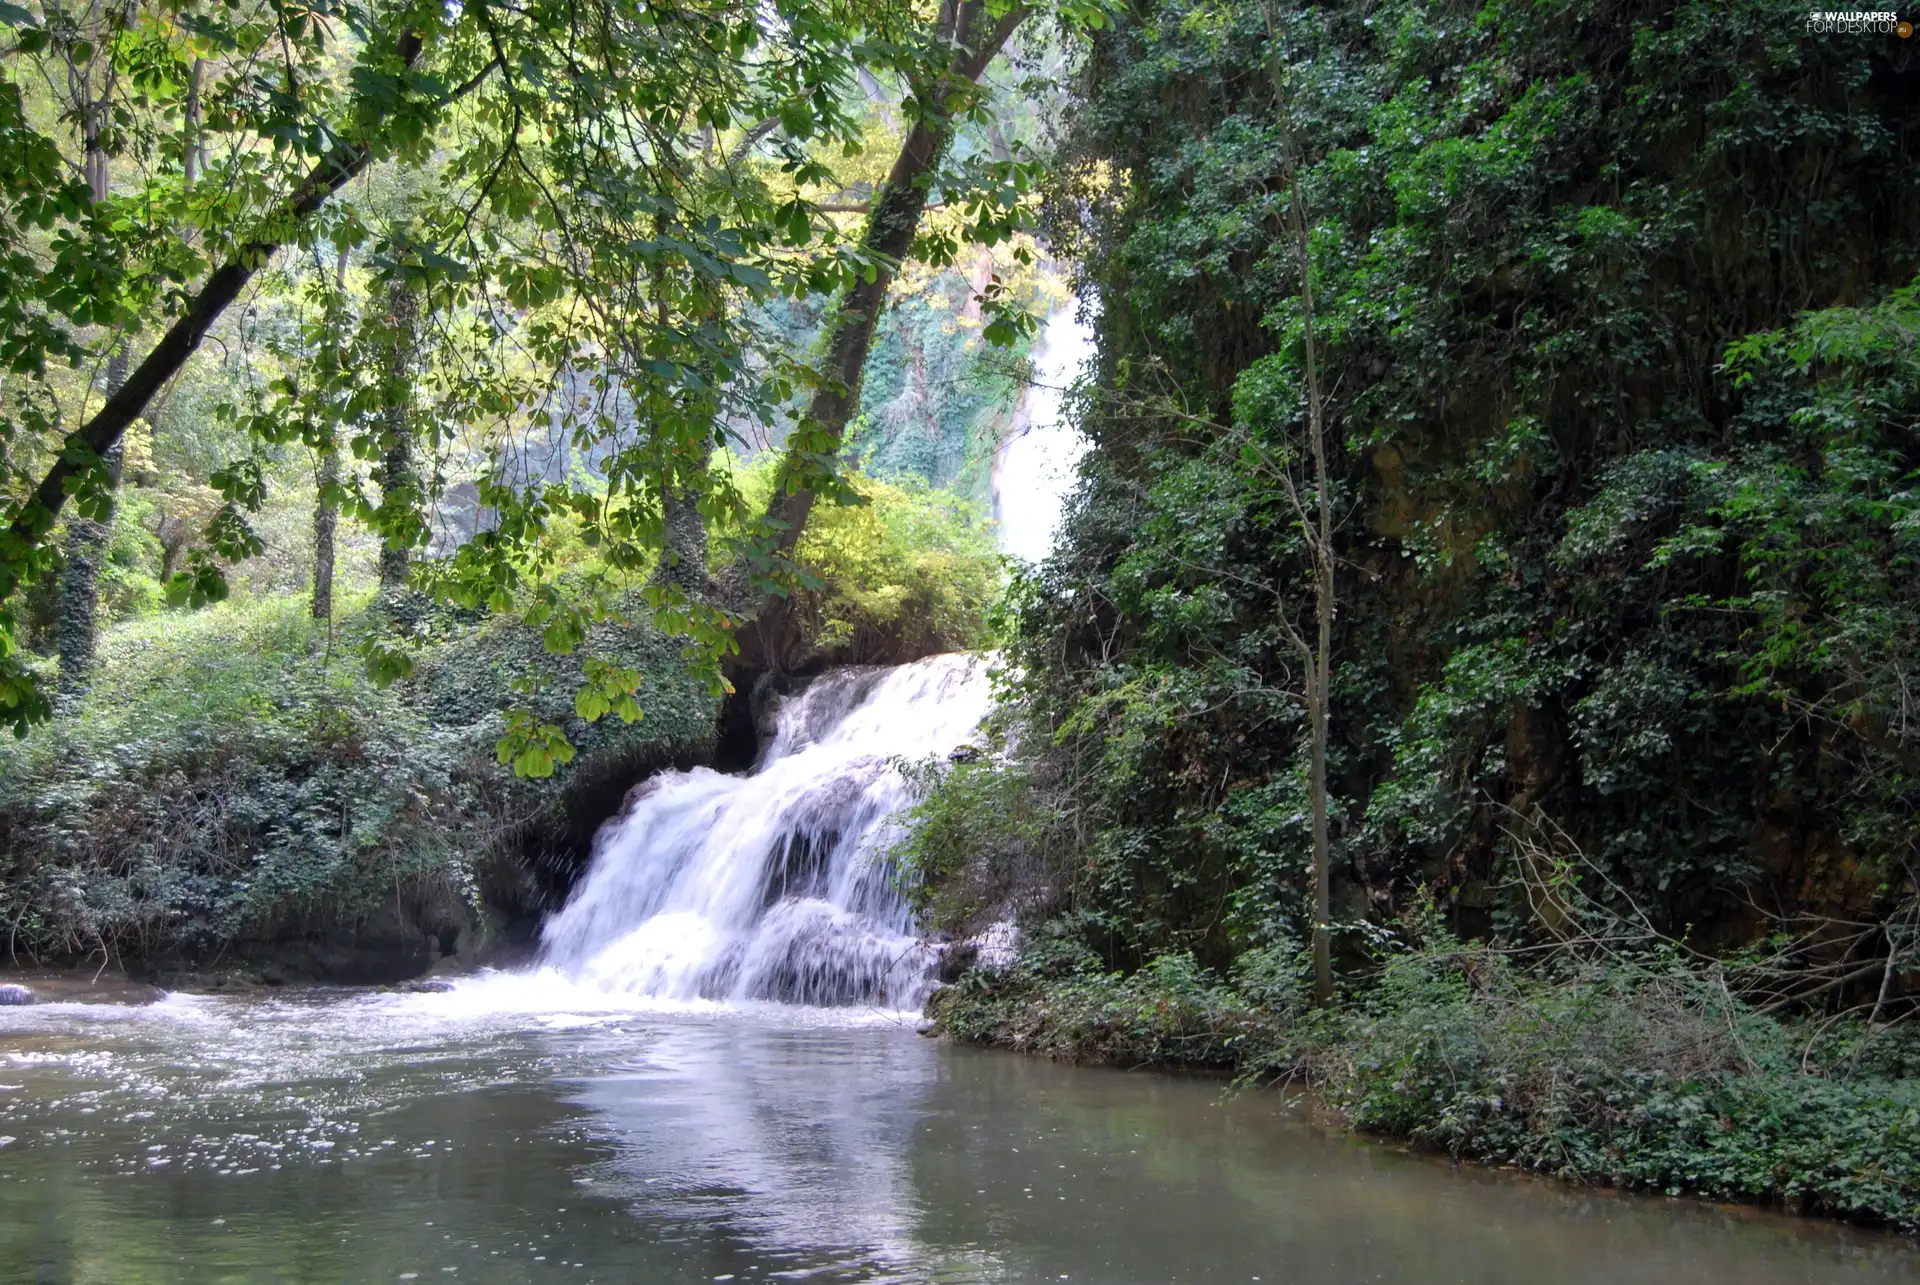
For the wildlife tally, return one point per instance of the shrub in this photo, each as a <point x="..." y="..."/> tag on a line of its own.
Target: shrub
<point x="225" y="781"/>
<point x="973" y="842"/>
<point x="908" y="571"/>
<point x="1640" y="1072"/>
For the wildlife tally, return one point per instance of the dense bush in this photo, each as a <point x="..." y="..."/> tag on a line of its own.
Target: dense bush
<point x="1640" y="1073"/>
<point x="908" y="571"/>
<point x="973" y="848"/>
<point x="229" y="781"/>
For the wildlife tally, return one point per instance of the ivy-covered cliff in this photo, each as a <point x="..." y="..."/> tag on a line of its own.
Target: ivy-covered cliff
<point x="1616" y="316"/>
<point x="1615" y="319"/>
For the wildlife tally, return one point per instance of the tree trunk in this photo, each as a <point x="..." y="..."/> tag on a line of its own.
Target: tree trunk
<point x="1320" y="681"/>
<point x="683" y="551"/>
<point x="326" y="521"/>
<point x="399" y="476"/>
<point x="195" y="158"/>
<point x="77" y="630"/>
<point x="813" y="450"/>
<point x="683" y="559"/>
<point x="1317" y="531"/>
<point x="326" y="512"/>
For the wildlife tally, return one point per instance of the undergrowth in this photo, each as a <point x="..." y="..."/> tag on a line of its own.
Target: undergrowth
<point x="227" y="780"/>
<point x="1640" y="1071"/>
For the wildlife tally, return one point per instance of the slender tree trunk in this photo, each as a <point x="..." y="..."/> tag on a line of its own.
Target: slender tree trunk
<point x="813" y="450"/>
<point x="326" y="513"/>
<point x="1318" y="533"/>
<point x="77" y="632"/>
<point x="399" y="474"/>
<point x="1320" y="680"/>
<point x="326" y="521"/>
<point x="195" y="159"/>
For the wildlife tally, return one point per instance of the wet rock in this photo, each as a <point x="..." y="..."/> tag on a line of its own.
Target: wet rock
<point x="428" y="986"/>
<point x="13" y="994"/>
<point x="955" y="961"/>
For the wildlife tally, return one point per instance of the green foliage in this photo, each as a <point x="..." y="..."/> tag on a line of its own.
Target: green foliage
<point x="902" y="571"/>
<point x="527" y="279"/>
<point x="532" y="748"/>
<point x="932" y="392"/>
<point x="1057" y="1001"/>
<point x="1638" y="1075"/>
<point x="222" y="784"/>
<point x="1622" y="372"/>
<point x="976" y="836"/>
<point x="1626" y="537"/>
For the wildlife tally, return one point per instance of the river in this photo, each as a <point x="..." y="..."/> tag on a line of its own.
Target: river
<point x="512" y="1131"/>
<point x="711" y="1073"/>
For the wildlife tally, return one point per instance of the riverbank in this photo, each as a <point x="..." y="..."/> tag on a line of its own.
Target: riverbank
<point x="1641" y="1075"/>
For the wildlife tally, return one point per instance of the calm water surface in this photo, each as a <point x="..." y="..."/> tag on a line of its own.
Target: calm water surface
<point x="508" y="1132"/>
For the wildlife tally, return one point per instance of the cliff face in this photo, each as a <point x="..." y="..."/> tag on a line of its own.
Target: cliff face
<point x="1614" y="303"/>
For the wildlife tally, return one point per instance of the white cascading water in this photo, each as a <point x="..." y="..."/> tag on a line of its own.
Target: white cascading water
<point x="777" y="885"/>
<point x="1034" y="469"/>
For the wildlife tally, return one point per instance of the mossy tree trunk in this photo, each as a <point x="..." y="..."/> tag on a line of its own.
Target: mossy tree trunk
<point x="326" y="522"/>
<point x="400" y="489"/>
<point x="77" y="628"/>
<point x="683" y="561"/>
<point x="683" y="553"/>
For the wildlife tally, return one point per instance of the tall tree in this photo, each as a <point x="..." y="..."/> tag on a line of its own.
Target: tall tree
<point x="1316" y="529"/>
<point x="967" y="37"/>
<point x="90" y="86"/>
<point x="1316" y="532"/>
<point x="401" y="492"/>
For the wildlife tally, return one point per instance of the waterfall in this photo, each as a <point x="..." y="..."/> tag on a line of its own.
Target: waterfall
<point x="1034" y="468"/>
<point x="775" y="885"/>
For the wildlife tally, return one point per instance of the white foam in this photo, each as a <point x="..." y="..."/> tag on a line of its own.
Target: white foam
<point x="774" y="886"/>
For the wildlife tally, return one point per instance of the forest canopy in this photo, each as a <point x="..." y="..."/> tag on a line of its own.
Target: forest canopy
<point x="505" y="276"/>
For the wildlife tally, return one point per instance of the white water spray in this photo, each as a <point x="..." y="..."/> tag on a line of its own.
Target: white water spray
<point x="777" y="885"/>
<point x="1034" y="469"/>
